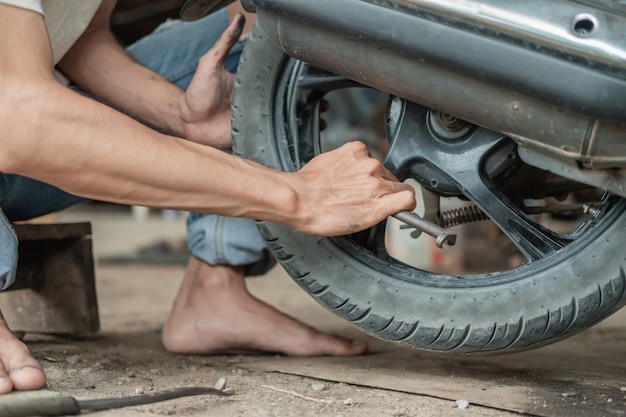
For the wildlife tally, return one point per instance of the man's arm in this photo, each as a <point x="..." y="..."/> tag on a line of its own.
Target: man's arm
<point x="100" y="65"/>
<point x="55" y="135"/>
<point x="84" y="147"/>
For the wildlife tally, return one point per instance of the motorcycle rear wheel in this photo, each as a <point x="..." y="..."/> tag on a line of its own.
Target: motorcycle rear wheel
<point x="531" y="305"/>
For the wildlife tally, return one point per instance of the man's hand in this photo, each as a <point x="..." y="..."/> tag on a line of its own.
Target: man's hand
<point x="205" y="106"/>
<point x="345" y="191"/>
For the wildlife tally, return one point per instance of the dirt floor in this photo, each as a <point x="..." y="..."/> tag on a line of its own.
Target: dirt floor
<point x="581" y="376"/>
<point x="126" y="359"/>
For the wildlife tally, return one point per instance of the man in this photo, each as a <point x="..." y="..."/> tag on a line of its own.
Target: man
<point x="50" y="134"/>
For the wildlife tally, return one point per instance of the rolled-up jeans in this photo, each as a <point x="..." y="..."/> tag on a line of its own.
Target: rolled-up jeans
<point x="172" y="50"/>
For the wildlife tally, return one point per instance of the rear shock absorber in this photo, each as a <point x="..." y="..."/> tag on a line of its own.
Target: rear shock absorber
<point x="461" y="215"/>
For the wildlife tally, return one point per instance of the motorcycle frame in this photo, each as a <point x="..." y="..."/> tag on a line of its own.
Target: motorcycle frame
<point x="550" y="75"/>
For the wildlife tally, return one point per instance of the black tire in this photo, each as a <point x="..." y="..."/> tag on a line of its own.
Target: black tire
<point x="510" y="310"/>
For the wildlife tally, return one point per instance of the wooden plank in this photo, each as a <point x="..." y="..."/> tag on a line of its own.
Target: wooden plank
<point x="52" y="231"/>
<point x="55" y="289"/>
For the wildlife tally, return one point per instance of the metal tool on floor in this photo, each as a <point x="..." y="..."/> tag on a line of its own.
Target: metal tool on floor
<point x="66" y="405"/>
<point x="430" y="228"/>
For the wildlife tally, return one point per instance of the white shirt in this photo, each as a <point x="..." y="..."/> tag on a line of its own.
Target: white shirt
<point x="65" y="20"/>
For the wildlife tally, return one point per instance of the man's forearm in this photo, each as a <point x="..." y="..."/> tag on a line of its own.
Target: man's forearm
<point x="93" y="151"/>
<point x="101" y="66"/>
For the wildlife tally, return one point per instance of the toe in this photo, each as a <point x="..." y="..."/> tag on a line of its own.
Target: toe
<point x="323" y="344"/>
<point x="18" y="369"/>
<point x="5" y="382"/>
<point x="28" y="378"/>
<point x="347" y="347"/>
<point x="359" y="347"/>
<point x="23" y="370"/>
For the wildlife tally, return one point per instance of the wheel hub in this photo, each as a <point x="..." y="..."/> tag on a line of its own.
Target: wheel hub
<point x="428" y="146"/>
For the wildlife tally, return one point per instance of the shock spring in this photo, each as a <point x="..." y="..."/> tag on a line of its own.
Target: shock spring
<point x="461" y="216"/>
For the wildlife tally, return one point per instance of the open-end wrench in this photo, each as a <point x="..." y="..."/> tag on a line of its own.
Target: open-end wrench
<point x="427" y="227"/>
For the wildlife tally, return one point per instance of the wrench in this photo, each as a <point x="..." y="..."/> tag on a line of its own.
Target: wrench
<point x="427" y="227"/>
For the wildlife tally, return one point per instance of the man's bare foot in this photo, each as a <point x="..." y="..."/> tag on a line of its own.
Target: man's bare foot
<point x="214" y="312"/>
<point x="18" y="370"/>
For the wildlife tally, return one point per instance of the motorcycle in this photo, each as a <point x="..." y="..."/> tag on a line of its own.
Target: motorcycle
<point x="515" y="110"/>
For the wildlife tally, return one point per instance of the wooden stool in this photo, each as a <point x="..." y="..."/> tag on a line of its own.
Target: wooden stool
<point x="55" y="290"/>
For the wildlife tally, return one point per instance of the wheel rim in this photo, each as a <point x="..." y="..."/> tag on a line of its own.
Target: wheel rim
<point x="297" y="107"/>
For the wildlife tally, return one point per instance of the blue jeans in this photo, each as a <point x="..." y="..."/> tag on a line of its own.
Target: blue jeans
<point x="172" y="50"/>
